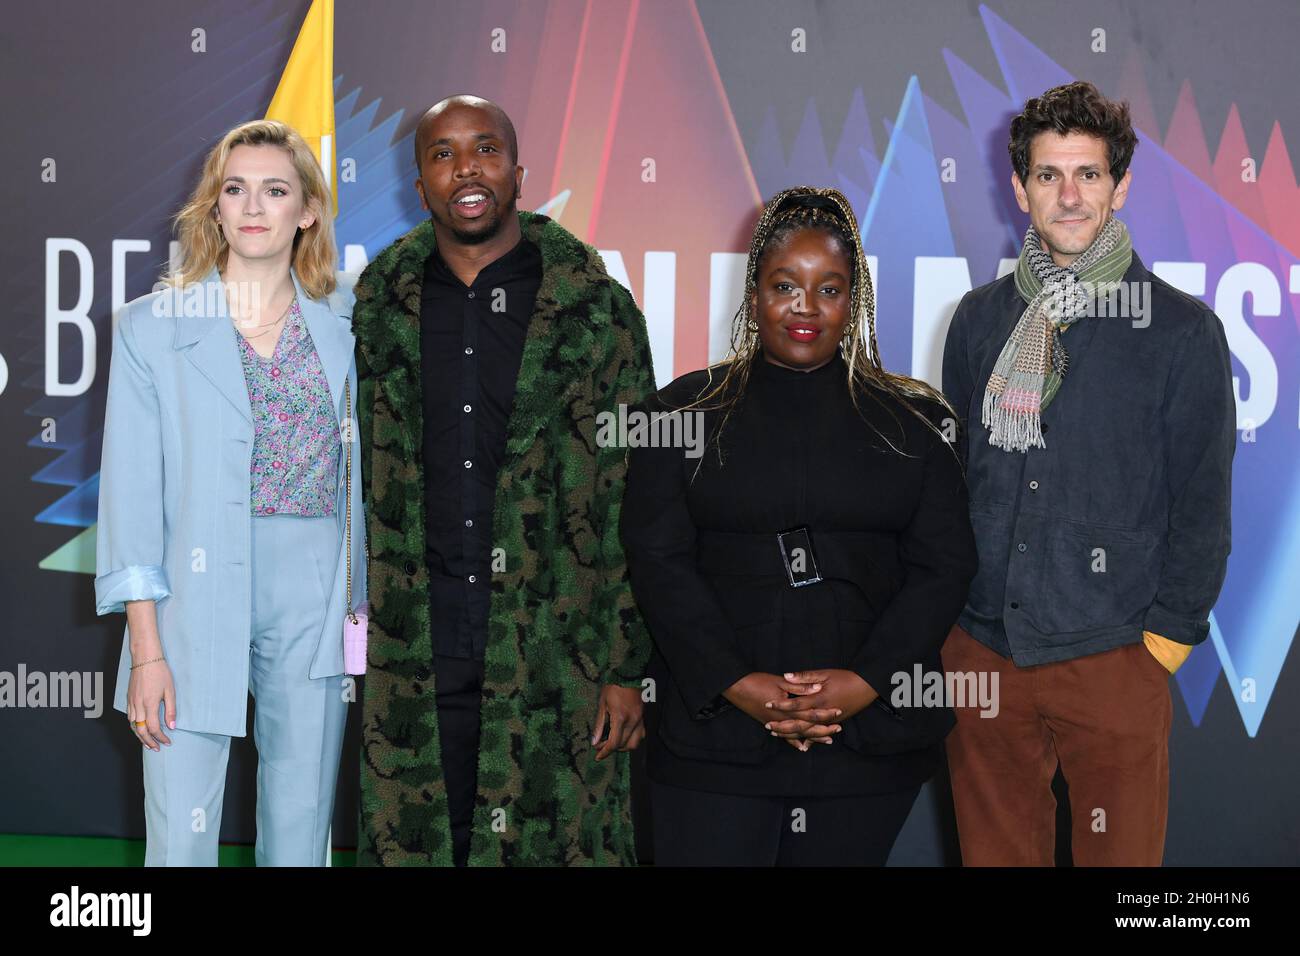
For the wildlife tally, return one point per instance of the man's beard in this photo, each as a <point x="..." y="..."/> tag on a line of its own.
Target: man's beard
<point x="497" y="219"/>
<point x="1064" y="244"/>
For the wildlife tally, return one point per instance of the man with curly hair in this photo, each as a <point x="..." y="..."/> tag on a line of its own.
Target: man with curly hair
<point x="1100" y="429"/>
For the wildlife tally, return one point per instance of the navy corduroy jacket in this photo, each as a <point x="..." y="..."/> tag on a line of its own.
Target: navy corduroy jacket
<point x="1121" y="524"/>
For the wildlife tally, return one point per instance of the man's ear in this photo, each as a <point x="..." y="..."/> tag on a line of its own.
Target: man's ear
<point x="1022" y="197"/>
<point x="1121" y="191"/>
<point x="419" y="188"/>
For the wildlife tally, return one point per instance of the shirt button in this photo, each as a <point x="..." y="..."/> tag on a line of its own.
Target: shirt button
<point x="1033" y="486"/>
<point x="409" y="567"/>
<point x="1015" y="605"/>
<point x="469" y="522"/>
<point x="275" y="372"/>
<point x="469" y="464"/>
<point x="269" y="509"/>
<point x="284" y="416"/>
<point x="466" y="408"/>
<point x="472" y="579"/>
<point x="1022" y="547"/>
<point x="468" y="350"/>
<point x="471" y="295"/>
<point x="275" y="464"/>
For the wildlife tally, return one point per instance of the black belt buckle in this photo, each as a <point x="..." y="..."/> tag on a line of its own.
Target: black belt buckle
<point x="798" y="556"/>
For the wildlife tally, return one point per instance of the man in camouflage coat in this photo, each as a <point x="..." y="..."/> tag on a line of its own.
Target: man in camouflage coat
<point x="564" y="634"/>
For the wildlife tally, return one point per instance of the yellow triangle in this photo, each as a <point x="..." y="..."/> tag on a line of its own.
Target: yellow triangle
<point x="305" y="96"/>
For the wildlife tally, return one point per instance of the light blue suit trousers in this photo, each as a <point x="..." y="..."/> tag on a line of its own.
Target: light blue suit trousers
<point x="297" y="725"/>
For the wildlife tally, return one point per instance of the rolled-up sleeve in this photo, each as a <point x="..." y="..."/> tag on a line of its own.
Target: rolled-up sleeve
<point x="129" y="534"/>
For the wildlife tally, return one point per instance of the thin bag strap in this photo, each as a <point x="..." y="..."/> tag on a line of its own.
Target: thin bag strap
<point x="347" y="402"/>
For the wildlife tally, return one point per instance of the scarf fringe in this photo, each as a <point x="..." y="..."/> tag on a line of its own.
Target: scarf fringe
<point x="1015" y="425"/>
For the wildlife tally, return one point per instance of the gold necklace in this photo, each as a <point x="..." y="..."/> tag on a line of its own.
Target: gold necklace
<point x="269" y="326"/>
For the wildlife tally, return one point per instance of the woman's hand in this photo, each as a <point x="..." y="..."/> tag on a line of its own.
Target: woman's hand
<point x="803" y="719"/>
<point x="150" y="685"/>
<point x="755" y="692"/>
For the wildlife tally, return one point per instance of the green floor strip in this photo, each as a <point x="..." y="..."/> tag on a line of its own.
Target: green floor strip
<point x="24" y="850"/>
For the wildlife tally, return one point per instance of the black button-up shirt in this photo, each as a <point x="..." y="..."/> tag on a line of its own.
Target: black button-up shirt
<point x="471" y="346"/>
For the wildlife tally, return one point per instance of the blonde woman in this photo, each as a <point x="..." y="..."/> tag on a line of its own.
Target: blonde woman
<point x="224" y="505"/>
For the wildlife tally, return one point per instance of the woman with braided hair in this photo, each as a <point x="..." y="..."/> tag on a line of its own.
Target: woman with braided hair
<point x="800" y="575"/>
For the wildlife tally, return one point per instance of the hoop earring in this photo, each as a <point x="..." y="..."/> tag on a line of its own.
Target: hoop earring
<point x="753" y="326"/>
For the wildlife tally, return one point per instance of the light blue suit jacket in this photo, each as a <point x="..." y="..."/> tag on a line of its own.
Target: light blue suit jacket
<point x="175" y="489"/>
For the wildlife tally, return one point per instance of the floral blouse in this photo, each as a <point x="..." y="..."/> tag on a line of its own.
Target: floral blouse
<point x="296" y="441"/>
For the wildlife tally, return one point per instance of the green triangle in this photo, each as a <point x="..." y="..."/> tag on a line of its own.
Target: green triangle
<point x="77" y="556"/>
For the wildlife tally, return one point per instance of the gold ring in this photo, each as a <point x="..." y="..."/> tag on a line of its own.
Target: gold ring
<point x="140" y="723"/>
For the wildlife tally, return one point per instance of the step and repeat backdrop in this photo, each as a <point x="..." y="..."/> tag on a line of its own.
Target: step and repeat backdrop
<point x="653" y="130"/>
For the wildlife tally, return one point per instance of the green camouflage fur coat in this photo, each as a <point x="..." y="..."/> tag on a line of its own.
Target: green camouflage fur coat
<point x="562" y="621"/>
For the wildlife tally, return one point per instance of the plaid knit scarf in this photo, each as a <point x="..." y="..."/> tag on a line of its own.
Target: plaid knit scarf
<point x="1033" y="362"/>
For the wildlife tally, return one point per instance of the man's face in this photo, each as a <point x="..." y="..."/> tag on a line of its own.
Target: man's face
<point x="468" y="180"/>
<point x="1070" y="192"/>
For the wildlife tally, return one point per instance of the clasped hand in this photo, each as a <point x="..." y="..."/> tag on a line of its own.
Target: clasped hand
<point x="803" y="707"/>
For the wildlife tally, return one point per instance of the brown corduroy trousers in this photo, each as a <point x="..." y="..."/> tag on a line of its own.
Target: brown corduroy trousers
<point x="1104" y="717"/>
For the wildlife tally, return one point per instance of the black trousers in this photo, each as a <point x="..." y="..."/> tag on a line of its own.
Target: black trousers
<point x="695" y="828"/>
<point x="459" y="686"/>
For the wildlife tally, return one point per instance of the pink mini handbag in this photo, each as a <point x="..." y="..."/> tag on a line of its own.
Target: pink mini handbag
<point x="354" y="640"/>
<point x="355" y="620"/>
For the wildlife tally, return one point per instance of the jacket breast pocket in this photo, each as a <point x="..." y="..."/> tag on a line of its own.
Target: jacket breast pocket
<point x="1096" y="577"/>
